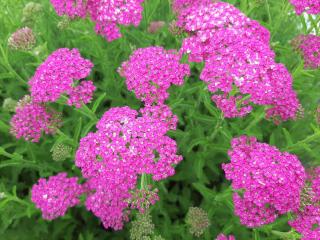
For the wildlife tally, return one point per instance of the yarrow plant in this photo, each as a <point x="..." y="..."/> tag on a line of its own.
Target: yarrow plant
<point x="150" y="71"/>
<point x="62" y="73"/>
<point x="107" y="14"/>
<point x="308" y="6"/>
<point x="239" y="63"/>
<point x="266" y="182"/>
<point x="55" y="195"/>
<point x="309" y="45"/>
<point x="32" y="119"/>
<point x="125" y="146"/>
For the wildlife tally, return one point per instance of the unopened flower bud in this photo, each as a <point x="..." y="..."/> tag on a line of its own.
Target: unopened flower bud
<point x="300" y="112"/>
<point x="198" y="221"/>
<point x="64" y="23"/>
<point x="60" y="152"/>
<point x="142" y="227"/>
<point x="30" y="12"/>
<point x="22" y="39"/>
<point x="174" y="29"/>
<point x="9" y="105"/>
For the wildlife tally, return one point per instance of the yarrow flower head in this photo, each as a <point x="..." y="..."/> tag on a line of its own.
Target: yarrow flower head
<point x="197" y="220"/>
<point x="71" y="8"/>
<point x="224" y="237"/>
<point x="308" y="6"/>
<point x="267" y="182"/>
<point x="55" y="195"/>
<point x="32" y="119"/>
<point x="125" y="146"/>
<point x="150" y="72"/>
<point x="155" y="26"/>
<point x="106" y="14"/>
<point x="309" y="45"/>
<point x="307" y="219"/>
<point x="240" y="69"/>
<point x="60" y="74"/>
<point x="22" y="39"/>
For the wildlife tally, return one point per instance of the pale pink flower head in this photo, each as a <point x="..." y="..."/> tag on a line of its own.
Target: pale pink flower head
<point x="55" y="195"/>
<point x="149" y="72"/>
<point x="308" y="6"/>
<point x="155" y="26"/>
<point x="309" y="45"/>
<point x="221" y="236"/>
<point x="32" y="119"/>
<point x="62" y="73"/>
<point x="71" y="8"/>
<point x="267" y="182"/>
<point x="22" y="39"/>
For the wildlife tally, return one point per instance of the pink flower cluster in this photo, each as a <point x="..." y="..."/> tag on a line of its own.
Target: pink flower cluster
<point x="308" y="6"/>
<point x="107" y="14"/>
<point x="309" y="45"/>
<point x="224" y="237"/>
<point x="267" y="182"/>
<point x="31" y="120"/>
<point x="150" y="71"/>
<point x="125" y="146"/>
<point x="307" y="221"/>
<point x="60" y="74"/>
<point x="238" y="60"/>
<point x="55" y="195"/>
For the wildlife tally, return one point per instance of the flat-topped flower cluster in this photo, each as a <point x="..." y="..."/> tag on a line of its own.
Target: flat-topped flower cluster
<point x="106" y="14"/>
<point x="240" y="67"/>
<point x="267" y="182"/>
<point x="308" y="6"/>
<point x="62" y="73"/>
<point x="309" y="45"/>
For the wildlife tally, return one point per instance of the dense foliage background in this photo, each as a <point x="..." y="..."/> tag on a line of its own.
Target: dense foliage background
<point x="203" y="136"/>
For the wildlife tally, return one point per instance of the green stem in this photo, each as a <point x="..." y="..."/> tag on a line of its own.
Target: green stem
<point x="216" y="128"/>
<point x="9" y="68"/>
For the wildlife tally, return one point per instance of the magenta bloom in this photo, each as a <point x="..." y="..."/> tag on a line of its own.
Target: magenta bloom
<point x="55" y="195"/>
<point x="150" y="72"/>
<point x="138" y="142"/>
<point x="267" y="182"/>
<point x="31" y="120"/>
<point x="308" y="6"/>
<point x="224" y="237"/>
<point x="125" y="146"/>
<point x="106" y="14"/>
<point x="60" y="74"/>
<point x="307" y="223"/>
<point x="310" y="48"/>
<point x="240" y="69"/>
<point x="307" y="219"/>
<point x="71" y="8"/>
